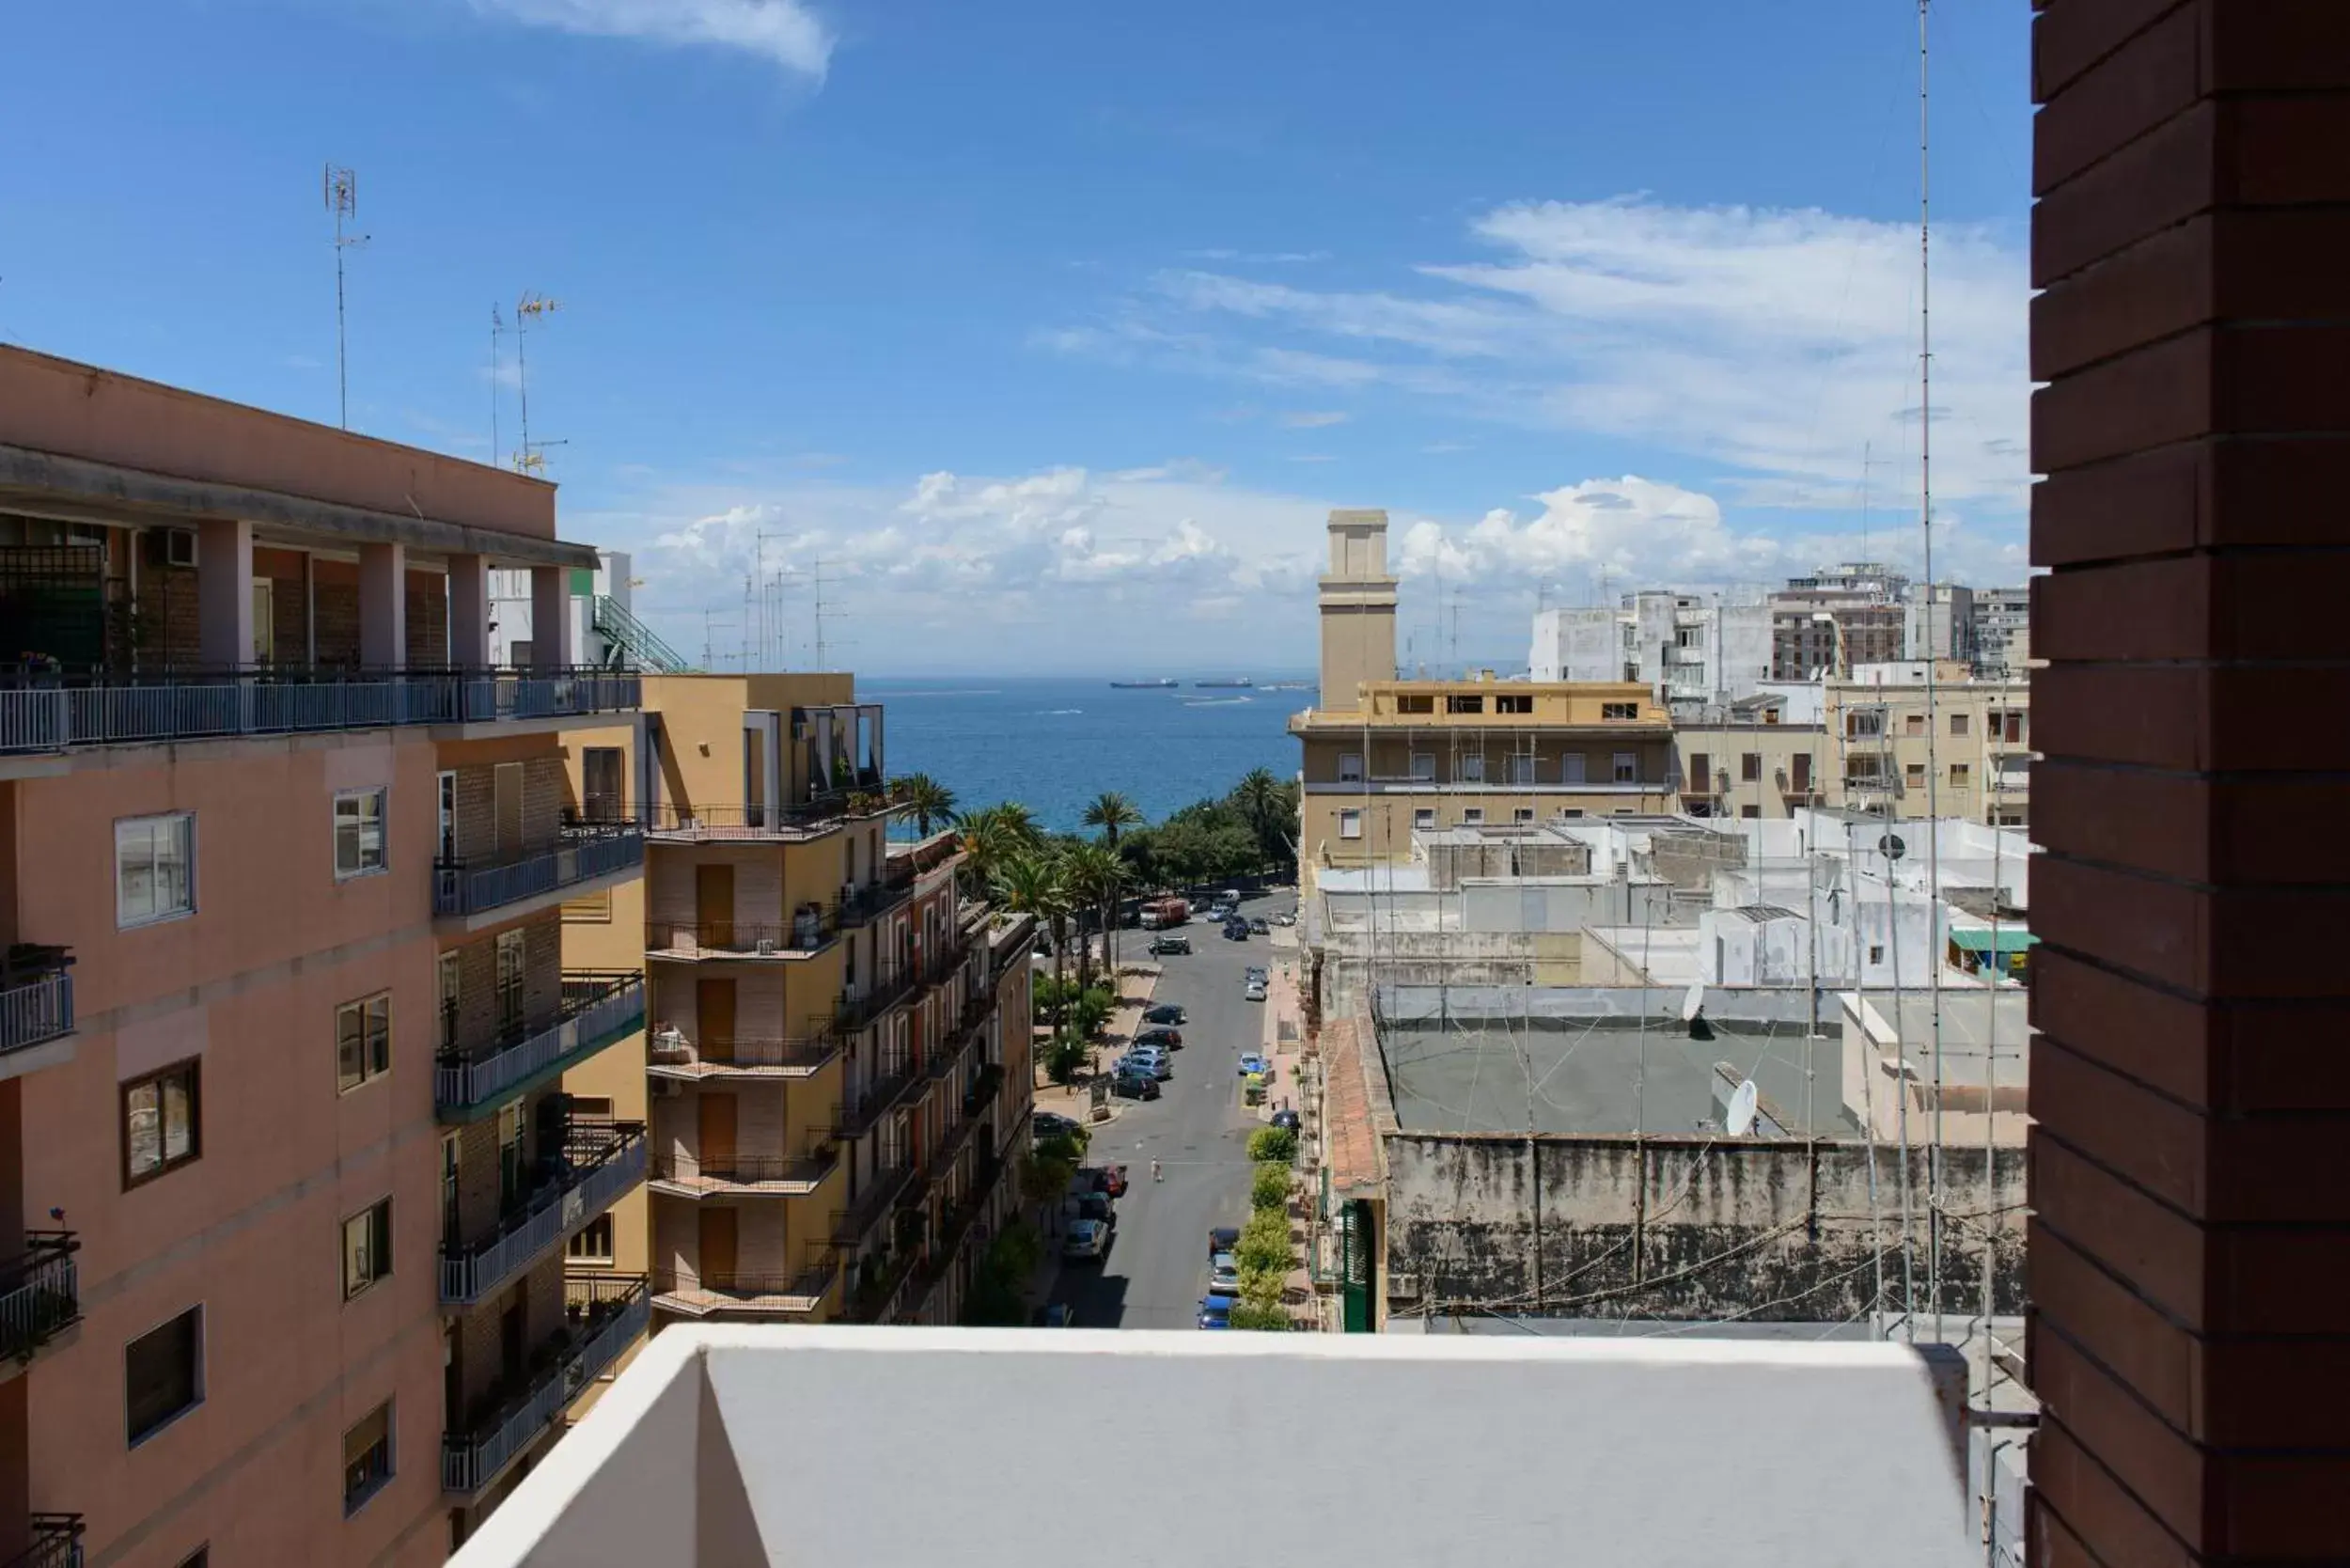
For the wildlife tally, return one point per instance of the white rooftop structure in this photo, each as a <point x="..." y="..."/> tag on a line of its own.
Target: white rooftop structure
<point x="737" y="1446"/>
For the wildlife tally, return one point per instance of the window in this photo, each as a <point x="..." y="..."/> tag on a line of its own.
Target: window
<point x="161" y="1130"/>
<point x="1350" y="767"/>
<point x="1507" y="703"/>
<point x="1471" y="768"/>
<point x="1700" y="773"/>
<point x="1619" y="710"/>
<point x="1350" y="824"/>
<point x="366" y="1458"/>
<point x="594" y="1244"/>
<point x="363" y="1042"/>
<point x="1521" y="770"/>
<point x="509" y="1156"/>
<point x="163" y="1375"/>
<point x="1876" y="953"/>
<point x="1571" y="768"/>
<point x="1473" y="817"/>
<point x="1521" y="814"/>
<point x="1425" y="767"/>
<point x="452" y="968"/>
<point x="1958" y="724"/>
<point x="510" y="979"/>
<point x="154" y="867"/>
<point x="1424" y="818"/>
<point x="1915" y="775"/>
<point x="1749" y="812"/>
<point x="601" y="771"/>
<point x="1627" y="768"/>
<point x="1962" y="776"/>
<point x="1415" y="702"/>
<point x="1913" y="724"/>
<point x="591" y="1108"/>
<point x="358" y="833"/>
<point x="1865" y="725"/>
<point x="1750" y="767"/>
<point x="1463" y="704"/>
<point x="367" y="1248"/>
<point x="1572" y="811"/>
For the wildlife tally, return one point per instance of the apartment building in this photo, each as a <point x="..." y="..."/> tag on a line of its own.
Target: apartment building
<point x="837" y="1063"/>
<point x="1972" y="738"/>
<point x="1384" y="757"/>
<point x="1765" y="757"/>
<point x="287" y="1183"/>
<point x="2002" y="632"/>
<point x="1687" y="649"/>
<point x="1940" y="617"/>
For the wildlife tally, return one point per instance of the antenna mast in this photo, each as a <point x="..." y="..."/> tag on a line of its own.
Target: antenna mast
<point x="1925" y="523"/>
<point x="497" y="330"/>
<point x="528" y="310"/>
<point x="341" y="188"/>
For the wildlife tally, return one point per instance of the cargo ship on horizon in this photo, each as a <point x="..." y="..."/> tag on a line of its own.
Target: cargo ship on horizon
<point x="1168" y="683"/>
<point x="1241" y="682"/>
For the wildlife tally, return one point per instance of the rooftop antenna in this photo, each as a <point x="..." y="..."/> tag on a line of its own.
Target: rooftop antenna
<point x="341" y="188"/>
<point x="497" y="330"/>
<point x="528" y="310"/>
<point x="1925" y="524"/>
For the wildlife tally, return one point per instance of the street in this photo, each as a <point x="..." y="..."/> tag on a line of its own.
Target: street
<point x="1158" y="1268"/>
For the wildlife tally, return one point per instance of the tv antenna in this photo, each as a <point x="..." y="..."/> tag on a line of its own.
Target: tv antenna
<point x="529" y="310"/>
<point x="498" y="331"/>
<point x="341" y="188"/>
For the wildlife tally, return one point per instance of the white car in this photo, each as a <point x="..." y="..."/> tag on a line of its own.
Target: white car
<point x="1089" y="1241"/>
<point x="1255" y="992"/>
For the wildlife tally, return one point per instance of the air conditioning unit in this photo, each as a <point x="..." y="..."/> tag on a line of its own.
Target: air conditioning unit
<point x="171" y="547"/>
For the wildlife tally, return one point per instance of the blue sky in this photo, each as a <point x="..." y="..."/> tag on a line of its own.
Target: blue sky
<point x="1052" y="329"/>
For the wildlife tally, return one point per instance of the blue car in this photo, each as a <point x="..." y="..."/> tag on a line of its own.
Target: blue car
<point x="1249" y="1064"/>
<point x="1216" y="1311"/>
<point x="1236" y="930"/>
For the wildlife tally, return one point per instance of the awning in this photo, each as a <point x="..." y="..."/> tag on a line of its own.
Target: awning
<point x="2012" y="939"/>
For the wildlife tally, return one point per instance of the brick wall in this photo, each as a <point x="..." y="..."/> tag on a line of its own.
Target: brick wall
<point x="2188" y="1338"/>
<point x="427" y="604"/>
<point x="543" y="795"/>
<point x="165" y="628"/>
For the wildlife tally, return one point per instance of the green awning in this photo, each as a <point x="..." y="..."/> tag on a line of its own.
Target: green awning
<point x="2012" y="939"/>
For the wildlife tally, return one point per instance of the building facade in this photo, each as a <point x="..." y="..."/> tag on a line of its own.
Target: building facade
<point x="1687" y="649"/>
<point x="1971" y="739"/>
<point x="2002" y="632"/>
<point x="287" y="1187"/>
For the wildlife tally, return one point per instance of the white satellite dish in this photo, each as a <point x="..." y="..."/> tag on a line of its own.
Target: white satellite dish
<point x="1693" y="1000"/>
<point x="1740" y="1121"/>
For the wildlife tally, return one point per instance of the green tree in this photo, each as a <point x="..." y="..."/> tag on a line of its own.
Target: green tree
<point x="1028" y="883"/>
<point x="1094" y="876"/>
<point x="1270" y="1190"/>
<point x="930" y="801"/>
<point x="1277" y="1145"/>
<point x="1264" y="1241"/>
<point x="1251" y="1315"/>
<point x="1113" y="813"/>
<point x="1065" y="1057"/>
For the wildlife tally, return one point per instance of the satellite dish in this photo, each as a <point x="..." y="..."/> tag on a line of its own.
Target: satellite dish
<point x="1740" y="1120"/>
<point x="1891" y="847"/>
<point x="1693" y="1001"/>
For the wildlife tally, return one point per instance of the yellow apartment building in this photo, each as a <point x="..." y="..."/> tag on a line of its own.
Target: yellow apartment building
<point x="836" y="1058"/>
<point x="1383" y="757"/>
<point x="1972" y="737"/>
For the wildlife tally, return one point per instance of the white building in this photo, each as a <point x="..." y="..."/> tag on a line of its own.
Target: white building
<point x="605" y="632"/>
<point x="1688" y="647"/>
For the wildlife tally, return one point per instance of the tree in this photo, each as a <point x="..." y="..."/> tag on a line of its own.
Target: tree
<point x="1250" y="1314"/>
<point x="1270" y="1190"/>
<point x="1064" y="1056"/>
<point x="1094" y="876"/>
<point x="1112" y="813"/>
<point x="1032" y="884"/>
<point x="930" y="800"/>
<point x="1273" y="1145"/>
<point x="1264" y="1241"/>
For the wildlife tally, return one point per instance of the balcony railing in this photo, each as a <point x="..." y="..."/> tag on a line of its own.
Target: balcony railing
<point x="775" y="1295"/>
<point x="598" y="1008"/>
<point x="612" y="1312"/>
<point x="814" y="929"/>
<point x="671" y="1055"/>
<point x="856" y="1013"/>
<point x="56" y="1541"/>
<point x="40" y="1293"/>
<point x="861" y="1110"/>
<point x="736" y="1175"/>
<point x="55" y="713"/>
<point x="582" y="853"/>
<point x="35" y="997"/>
<point x="600" y="1162"/>
<point x="880" y="1196"/>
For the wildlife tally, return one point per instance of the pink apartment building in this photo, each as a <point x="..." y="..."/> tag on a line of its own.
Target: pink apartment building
<point x="285" y="1167"/>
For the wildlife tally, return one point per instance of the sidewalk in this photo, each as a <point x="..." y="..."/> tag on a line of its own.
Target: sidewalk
<point x="1137" y="982"/>
<point x="1284" y="1030"/>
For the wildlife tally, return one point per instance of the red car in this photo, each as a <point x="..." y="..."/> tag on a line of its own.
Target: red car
<point x="1106" y="1179"/>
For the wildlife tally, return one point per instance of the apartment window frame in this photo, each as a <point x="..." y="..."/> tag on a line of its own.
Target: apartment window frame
<point x="351" y="832"/>
<point x="1470" y="768"/>
<point x="582" y="1247"/>
<point x="1749" y="767"/>
<point x="367" y="1250"/>
<point x="604" y="799"/>
<point x="510" y="978"/>
<point x="1416" y="702"/>
<point x="1521" y="703"/>
<point x="1702" y="773"/>
<point x="1958" y="725"/>
<point x="363" y="1042"/>
<point x="1351" y="824"/>
<point x="192" y="1097"/>
<point x="1522" y="813"/>
<point x="1350" y="767"/>
<point x="1962" y="776"/>
<point x="1627" y="767"/>
<point x="1574" y="768"/>
<point x="1522" y="768"/>
<point x="127" y="917"/>
<point x="1473" y="816"/>
<point x="159" y="1419"/>
<point x="1616" y="712"/>
<point x="1423" y="767"/>
<point x="366" y="1475"/>
<point x="1423" y="819"/>
<point x="1463" y="702"/>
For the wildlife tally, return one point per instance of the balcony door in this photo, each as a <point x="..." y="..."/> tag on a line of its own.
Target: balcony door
<point x="714" y="1013"/>
<point x="717" y="1124"/>
<point x="713" y="904"/>
<point x="717" y="1252"/>
<point x="507" y="783"/>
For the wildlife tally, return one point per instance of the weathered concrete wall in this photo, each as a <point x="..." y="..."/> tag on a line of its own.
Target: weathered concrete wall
<point x="1684" y="1229"/>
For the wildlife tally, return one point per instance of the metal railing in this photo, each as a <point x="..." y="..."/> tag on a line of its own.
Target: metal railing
<point x="738" y="1290"/>
<point x="689" y="823"/>
<point x="859" y="1111"/>
<point x="854" y="1012"/>
<point x="55" y="713"/>
<point x="598" y="1008"/>
<point x="581" y="853"/>
<point x="880" y="1196"/>
<point x="35" y="997"/>
<point x="620" y="1310"/>
<point x="672" y="1054"/>
<point x="812" y="932"/>
<point x="806" y="1171"/>
<point x="41" y="1291"/>
<point x="612" y="620"/>
<point x="601" y="1161"/>
<point x="56" y="1541"/>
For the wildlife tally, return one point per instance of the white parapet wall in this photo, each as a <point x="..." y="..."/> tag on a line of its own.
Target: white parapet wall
<point x="729" y="1447"/>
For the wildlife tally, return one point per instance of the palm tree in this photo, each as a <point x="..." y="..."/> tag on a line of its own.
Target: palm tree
<point x="1110" y="811"/>
<point x="1260" y="800"/>
<point x="1032" y="883"/>
<point x="1019" y="824"/>
<point x="1094" y="876"/>
<point x="930" y="800"/>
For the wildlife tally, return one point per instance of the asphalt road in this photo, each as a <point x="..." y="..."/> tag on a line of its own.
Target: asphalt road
<point x="1158" y="1268"/>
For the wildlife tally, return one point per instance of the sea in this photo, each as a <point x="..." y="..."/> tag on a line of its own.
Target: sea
<point x="1053" y="743"/>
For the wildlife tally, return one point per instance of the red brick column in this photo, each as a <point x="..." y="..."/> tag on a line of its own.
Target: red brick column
<point x="2189" y="1261"/>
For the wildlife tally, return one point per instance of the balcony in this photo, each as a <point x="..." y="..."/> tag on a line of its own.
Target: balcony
<point x="856" y="1012"/>
<point x="53" y="1541"/>
<point x="861" y="1110"/>
<point x="605" y="1314"/>
<point x="670" y="1053"/>
<point x="58" y="713"/>
<point x="40" y="1294"/>
<point x="777" y="1295"/>
<point x="582" y="854"/>
<point x="880" y="1196"/>
<point x="35" y="997"/>
<point x="743" y="1175"/>
<point x="597" y="1011"/>
<point x="810" y="932"/>
<point x="601" y="1160"/>
<point x="1559" y="1450"/>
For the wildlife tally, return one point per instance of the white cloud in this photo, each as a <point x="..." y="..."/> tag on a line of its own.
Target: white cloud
<point x="1314" y="421"/>
<point x="785" y="32"/>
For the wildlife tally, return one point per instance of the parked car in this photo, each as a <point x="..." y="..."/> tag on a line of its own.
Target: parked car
<point x="1285" y="918"/>
<point x="1216" y="1311"/>
<point x="1257" y="972"/>
<point x="1253" y="1064"/>
<point x="1148" y="1061"/>
<point x="1224" y="1278"/>
<point x="1135" y="1086"/>
<point x="1089" y="1241"/>
<point x="1289" y="1119"/>
<point x="1254" y="990"/>
<point x="1053" y="1314"/>
<point x="1091" y="1205"/>
<point x="1166" y="1013"/>
<point x="1168" y="947"/>
<point x="1110" y="1179"/>
<point x="1171" y="1039"/>
<point x="1230" y="898"/>
<point x="1259" y="927"/>
<point x="1047" y="1124"/>
<point x="1222" y="1238"/>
